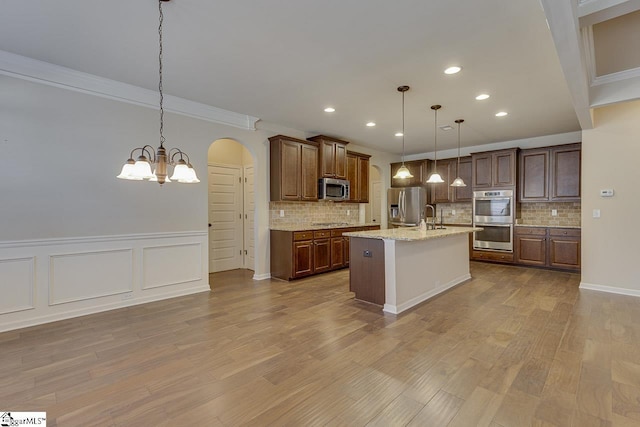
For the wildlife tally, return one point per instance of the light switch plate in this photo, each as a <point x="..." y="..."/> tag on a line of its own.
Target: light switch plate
<point x="606" y="193"/>
<point x="596" y="213"/>
<point x="554" y="212"/>
<point x="281" y="213"/>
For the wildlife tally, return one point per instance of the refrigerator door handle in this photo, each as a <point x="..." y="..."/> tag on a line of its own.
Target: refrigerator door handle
<point x="403" y="201"/>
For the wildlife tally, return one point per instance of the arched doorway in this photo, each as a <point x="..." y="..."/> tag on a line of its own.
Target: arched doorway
<point x="231" y="206"/>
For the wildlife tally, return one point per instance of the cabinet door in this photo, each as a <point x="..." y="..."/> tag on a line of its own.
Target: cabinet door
<point x="415" y="167"/>
<point x="328" y="161"/>
<point x="565" y="173"/>
<point x="352" y="176"/>
<point x="363" y="180"/>
<point x="504" y="169"/>
<point x="464" y="194"/>
<point x="534" y="175"/>
<point x="442" y="193"/>
<point x="482" y="170"/>
<point x="564" y="252"/>
<point x="531" y="250"/>
<point x="337" y="252"/>
<point x="321" y="255"/>
<point x="340" y="161"/>
<point x="308" y="176"/>
<point x="290" y="170"/>
<point x="302" y="258"/>
<point x="346" y="249"/>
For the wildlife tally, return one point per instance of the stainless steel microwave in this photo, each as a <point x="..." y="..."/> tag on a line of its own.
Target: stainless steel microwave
<point x="333" y="189"/>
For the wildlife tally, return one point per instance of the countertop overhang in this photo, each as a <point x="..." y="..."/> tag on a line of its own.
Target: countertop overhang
<point x="411" y="234"/>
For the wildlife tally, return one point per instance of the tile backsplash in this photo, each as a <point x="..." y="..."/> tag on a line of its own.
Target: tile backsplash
<point x="302" y="213"/>
<point x="463" y="213"/>
<point x="540" y="214"/>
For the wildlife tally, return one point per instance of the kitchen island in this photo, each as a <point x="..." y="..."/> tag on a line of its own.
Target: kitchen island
<point x="399" y="268"/>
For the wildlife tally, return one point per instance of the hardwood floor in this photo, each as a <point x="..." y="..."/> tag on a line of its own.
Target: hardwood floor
<point x="512" y="347"/>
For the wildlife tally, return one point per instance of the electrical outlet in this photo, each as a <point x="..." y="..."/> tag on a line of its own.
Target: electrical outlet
<point x="128" y="295"/>
<point x="554" y="212"/>
<point x="453" y="212"/>
<point x="348" y="212"/>
<point x="281" y="213"/>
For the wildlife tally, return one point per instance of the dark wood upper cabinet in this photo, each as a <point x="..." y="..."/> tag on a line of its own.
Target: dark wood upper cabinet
<point x="332" y="160"/>
<point x="565" y="172"/>
<point x="418" y="169"/>
<point x="494" y="169"/>
<point x="550" y="174"/>
<point x="358" y="176"/>
<point x="443" y="193"/>
<point x="463" y="194"/>
<point x="293" y="169"/>
<point x="533" y="184"/>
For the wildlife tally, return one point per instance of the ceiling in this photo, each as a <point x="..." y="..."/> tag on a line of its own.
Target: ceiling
<point x="284" y="61"/>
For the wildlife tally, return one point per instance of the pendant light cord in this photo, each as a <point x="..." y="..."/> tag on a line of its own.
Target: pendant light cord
<point x="403" y="128"/>
<point x="435" y="140"/>
<point x="458" y="147"/>
<point x="160" y="75"/>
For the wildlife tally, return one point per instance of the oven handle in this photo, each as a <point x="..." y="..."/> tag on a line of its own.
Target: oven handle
<point x="493" y="198"/>
<point x="488" y="224"/>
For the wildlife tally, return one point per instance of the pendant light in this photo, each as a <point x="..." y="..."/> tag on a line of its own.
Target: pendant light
<point x="140" y="169"/>
<point x="435" y="177"/>
<point x="458" y="182"/>
<point x="403" y="172"/>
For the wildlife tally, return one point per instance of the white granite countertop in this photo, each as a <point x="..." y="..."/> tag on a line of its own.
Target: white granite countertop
<point x="411" y="233"/>
<point x="549" y="226"/>
<point x="321" y="226"/>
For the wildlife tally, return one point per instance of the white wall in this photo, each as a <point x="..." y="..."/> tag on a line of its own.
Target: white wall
<point x="61" y="151"/>
<point x="610" y="153"/>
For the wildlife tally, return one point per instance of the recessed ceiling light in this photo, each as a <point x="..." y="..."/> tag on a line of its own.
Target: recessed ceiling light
<point x="445" y="127"/>
<point x="482" y="97"/>
<point x="399" y="134"/>
<point x="371" y="124"/>
<point x="329" y="110"/>
<point x="501" y="114"/>
<point x="452" y="70"/>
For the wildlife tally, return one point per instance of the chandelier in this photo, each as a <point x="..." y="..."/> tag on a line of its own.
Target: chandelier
<point x="140" y="169"/>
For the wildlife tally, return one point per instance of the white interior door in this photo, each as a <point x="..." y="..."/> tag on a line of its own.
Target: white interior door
<point x="249" y="218"/>
<point x="225" y="217"/>
<point x="376" y="202"/>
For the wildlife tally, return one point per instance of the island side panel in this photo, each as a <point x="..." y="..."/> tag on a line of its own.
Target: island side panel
<point x="424" y="269"/>
<point x="366" y="273"/>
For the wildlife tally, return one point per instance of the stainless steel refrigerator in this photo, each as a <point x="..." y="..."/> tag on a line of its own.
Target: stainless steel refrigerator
<point x="406" y="206"/>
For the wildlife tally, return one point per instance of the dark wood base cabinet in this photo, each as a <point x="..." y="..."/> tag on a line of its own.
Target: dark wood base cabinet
<point x="557" y="248"/>
<point x="296" y="254"/>
<point x="366" y="280"/>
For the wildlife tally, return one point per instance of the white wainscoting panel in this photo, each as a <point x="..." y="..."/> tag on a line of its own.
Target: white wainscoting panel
<point x="47" y="280"/>
<point x="171" y="264"/>
<point x="86" y="275"/>
<point x="17" y="283"/>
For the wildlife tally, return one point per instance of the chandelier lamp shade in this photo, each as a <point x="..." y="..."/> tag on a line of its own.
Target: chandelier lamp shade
<point x="458" y="182"/>
<point x="435" y="177"/>
<point x="161" y="158"/>
<point x="403" y="172"/>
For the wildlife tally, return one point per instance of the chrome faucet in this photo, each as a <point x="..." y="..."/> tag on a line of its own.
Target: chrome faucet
<point x="433" y="216"/>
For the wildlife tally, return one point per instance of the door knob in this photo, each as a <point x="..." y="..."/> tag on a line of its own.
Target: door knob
<point x="209" y="224"/>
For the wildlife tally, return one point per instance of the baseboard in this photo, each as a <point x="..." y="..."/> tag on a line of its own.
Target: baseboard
<point x="610" y="289"/>
<point x="98" y="309"/>
<point x="264" y="276"/>
<point x="393" y="309"/>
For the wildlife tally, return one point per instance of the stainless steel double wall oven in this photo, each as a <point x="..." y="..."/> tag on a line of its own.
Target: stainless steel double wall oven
<point x="494" y="211"/>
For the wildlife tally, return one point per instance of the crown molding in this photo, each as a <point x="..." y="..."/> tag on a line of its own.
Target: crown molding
<point x="30" y="69"/>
